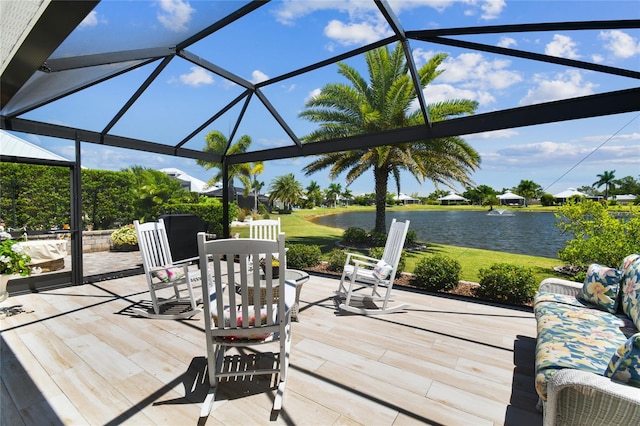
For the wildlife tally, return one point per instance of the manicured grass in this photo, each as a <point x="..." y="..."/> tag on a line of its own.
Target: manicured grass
<point x="300" y="230"/>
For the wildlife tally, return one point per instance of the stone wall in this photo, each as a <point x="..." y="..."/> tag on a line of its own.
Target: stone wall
<point x="92" y="241"/>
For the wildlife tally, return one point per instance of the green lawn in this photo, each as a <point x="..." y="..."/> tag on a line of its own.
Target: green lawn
<point x="299" y="229"/>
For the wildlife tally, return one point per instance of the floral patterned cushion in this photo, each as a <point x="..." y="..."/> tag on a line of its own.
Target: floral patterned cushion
<point x="601" y="287"/>
<point x="630" y="287"/>
<point x="625" y="362"/>
<point x="573" y="335"/>
<point x="252" y="321"/>
<point x="169" y="274"/>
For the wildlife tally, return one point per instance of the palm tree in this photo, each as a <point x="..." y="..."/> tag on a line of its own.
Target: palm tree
<point x="251" y="172"/>
<point x="218" y="143"/>
<point x="286" y="189"/>
<point x="347" y="195"/>
<point x="605" y="179"/>
<point x="385" y="103"/>
<point x="314" y="193"/>
<point x="528" y="189"/>
<point x="333" y="192"/>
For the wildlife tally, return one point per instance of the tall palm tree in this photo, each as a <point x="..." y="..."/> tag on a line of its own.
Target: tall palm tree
<point x="314" y="193"/>
<point x="251" y="172"/>
<point x="605" y="179"/>
<point x="333" y="192"/>
<point x="347" y="195"/>
<point x="286" y="189"/>
<point x="384" y="103"/>
<point x="218" y="143"/>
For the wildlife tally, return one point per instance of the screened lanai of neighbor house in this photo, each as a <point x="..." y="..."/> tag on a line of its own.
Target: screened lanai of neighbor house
<point x="91" y="72"/>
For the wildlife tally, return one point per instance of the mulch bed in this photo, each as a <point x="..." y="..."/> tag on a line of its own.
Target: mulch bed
<point x="463" y="288"/>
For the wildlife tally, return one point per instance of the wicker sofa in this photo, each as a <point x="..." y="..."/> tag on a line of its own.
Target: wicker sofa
<point x="588" y="347"/>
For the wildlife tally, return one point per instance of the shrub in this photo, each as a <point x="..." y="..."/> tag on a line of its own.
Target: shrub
<point x="547" y="200"/>
<point x="503" y="282"/>
<point x="376" y="252"/>
<point x="125" y="235"/>
<point x="412" y="238"/>
<point x="437" y="272"/>
<point x="378" y="239"/>
<point x="300" y="256"/>
<point x="355" y="236"/>
<point x="337" y="257"/>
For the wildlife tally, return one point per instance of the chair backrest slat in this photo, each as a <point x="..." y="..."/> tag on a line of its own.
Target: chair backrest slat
<point x="395" y="242"/>
<point x="264" y="229"/>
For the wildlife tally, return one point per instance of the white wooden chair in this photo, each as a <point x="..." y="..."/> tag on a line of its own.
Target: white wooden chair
<point x="235" y="288"/>
<point x="376" y="273"/>
<point x="264" y="229"/>
<point x="170" y="284"/>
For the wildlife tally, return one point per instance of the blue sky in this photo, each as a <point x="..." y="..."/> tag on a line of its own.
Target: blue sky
<point x="556" y="156"/>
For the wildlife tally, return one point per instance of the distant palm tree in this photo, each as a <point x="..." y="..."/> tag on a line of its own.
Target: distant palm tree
<point x="251" y="172"/>
<point x="286" y="189"/>
<point x="605" y="179"/>
<point x="333" y="192"/>
<point x="528" y="189"/>
<point x="347" y="195"/>
<point x="384" y="103"/>
<point x="218" y="143"/>
<point x="314" y="193"/>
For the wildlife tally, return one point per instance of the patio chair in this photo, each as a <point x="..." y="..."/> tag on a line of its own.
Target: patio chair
<point x="235" y="316"/>
<point x="265" y="229"/>
<point x="376" y="273"/>
<point x="164" y="277"/>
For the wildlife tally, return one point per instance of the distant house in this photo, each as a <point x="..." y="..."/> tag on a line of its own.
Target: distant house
<point x="188" y="182"/>
<point x="405" y="199"/>
<point x="511" y="199"/>
<point x="625" y="199"/>
<point x="563" y="196"/>
<point x="452" y="199"/>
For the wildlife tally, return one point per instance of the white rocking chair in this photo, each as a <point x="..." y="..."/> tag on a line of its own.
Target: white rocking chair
<point x="163" y="275"/>
<point x="235" y="286"/>
<point x="377" y="273"/>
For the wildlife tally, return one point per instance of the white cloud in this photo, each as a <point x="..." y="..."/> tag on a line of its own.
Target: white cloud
<point x="598" y="59"/>
<point x="562" y="86"/>
<point x="473" y="70"/>
<point x="314" y="93"/>
<point x="494" y="134"/>
<point x="352" y="33"/>
<point x="196" y="77"/>
<point x="491" y="9"/>
<point x="91" y="20"/>
<point x="175" y="14"/>
<point x="621" y="44"/>
<point x="507" y="42"/>
<point x="434" y="93"/>
<point x="562" y="46"/>
<point x="258" y="76"/>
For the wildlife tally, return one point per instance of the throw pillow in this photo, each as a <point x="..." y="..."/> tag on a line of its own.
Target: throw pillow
<point x="601" y="287"/>
<point x="624" y="365"/>
<point x="630" y="287"/>
<point x="382" y="270"/>
<point x="169" y="274"/>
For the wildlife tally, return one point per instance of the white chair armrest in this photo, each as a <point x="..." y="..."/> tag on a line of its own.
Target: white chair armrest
<point x="360" y="263"/>
<point x="560" y="286"/>
<point x="582" y="398"/>
<point x="359" y="256"/>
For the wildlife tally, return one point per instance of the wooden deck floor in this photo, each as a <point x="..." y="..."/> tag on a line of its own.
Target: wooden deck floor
<point x="78" y="355"/>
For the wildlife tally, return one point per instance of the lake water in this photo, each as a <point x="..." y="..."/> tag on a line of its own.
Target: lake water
<point x="521" y="233"/>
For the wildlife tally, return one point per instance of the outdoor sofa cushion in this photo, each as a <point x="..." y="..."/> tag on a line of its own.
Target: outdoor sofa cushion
<point x="573" y="334"/>
<point x="630" y="293"/>
<point x="601" y="287"/>
<point x="625" y="363"/>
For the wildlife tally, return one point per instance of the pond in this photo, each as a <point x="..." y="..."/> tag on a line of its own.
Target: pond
<point x="521" y="232"/>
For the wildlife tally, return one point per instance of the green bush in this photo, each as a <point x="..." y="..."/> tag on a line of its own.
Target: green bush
<point x="125" y="235"/>
<point x="412" y="238"/>
<point x="300" y="256"/>
<point x="378" y="239"/>
<point x="547" y="200"/>
<point x="376" y="252"/>
<point x="437" y="272"/>
<point x="355" y="236"/>
<point x="503" y="282"/>
<point x="337" y="257"/>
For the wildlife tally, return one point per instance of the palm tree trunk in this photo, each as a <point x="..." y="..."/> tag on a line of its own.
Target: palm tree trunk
<point x="381" y="180"/>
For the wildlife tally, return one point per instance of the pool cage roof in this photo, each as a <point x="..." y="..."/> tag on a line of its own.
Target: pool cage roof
<point x="56" y="69"/>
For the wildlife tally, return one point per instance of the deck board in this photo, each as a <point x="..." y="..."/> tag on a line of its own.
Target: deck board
<point x="79" y="355"/>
